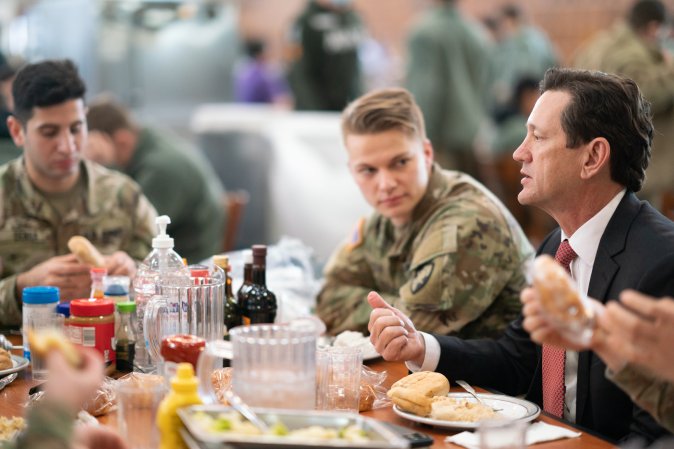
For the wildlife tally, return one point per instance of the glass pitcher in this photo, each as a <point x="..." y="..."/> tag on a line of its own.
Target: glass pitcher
<point x="196" y="309"/>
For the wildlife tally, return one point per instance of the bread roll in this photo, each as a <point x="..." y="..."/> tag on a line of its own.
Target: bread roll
<point x="414" y="393"/>
<point x="43" y="341"/>
<point x="558" y="295"/>
<point x="5" y="360"/>
<point x="85" y="251"/>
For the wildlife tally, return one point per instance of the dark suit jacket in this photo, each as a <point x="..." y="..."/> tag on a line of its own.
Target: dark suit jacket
<point x="636" y="252"/>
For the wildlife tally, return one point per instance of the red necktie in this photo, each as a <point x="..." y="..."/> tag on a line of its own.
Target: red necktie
<point x="554" y="358"/>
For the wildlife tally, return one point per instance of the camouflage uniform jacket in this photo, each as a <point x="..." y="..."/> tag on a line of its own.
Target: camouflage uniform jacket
<point x="456" y="268"/>
<point x="654" y="395"/>
<point x="113" y="214"/>
<point x="49" y="425"/>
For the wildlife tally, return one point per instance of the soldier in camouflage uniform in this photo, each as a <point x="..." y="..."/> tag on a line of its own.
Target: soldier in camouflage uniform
<point x="440" y="247"/>
<point x="49" y="194"/>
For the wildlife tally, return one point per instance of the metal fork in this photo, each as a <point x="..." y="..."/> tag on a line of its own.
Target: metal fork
<point x="466" y="386"/>
<point x="7" y="380"/>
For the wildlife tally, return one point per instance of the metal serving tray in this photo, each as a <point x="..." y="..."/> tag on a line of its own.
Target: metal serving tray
<point x="380" y="436"/>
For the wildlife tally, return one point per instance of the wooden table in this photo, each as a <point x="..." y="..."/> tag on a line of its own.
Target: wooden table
<point x="14" y="396"/>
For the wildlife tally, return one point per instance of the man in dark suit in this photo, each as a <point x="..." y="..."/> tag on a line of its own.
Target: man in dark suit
<point x="587" y="147"/>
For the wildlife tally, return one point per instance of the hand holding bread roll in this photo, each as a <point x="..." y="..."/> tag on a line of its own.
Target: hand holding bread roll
<point x="85" y="251"/>
<point x="415" y="393"/>
<point x="44" y="341"/>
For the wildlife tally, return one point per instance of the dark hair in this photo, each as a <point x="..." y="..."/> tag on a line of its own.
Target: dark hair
<point x="107" y="115"/>
<point x="645" y="11"/>
<point x="44" y="84"/>
<point x="511" y="11"/>
<point x="254" y="47"/>
<point x="608" y="106"/>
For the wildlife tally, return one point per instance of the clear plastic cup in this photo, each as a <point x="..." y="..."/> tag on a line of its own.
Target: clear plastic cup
<point x="338" y="378"/>
<point x="137" y="405"/>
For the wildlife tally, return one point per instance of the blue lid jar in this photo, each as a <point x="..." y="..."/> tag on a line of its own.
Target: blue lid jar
<point x="64" y="309"/>
<point x="40" y="295"/>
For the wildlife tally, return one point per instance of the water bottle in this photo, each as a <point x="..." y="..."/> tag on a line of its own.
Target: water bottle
<point x="162" y="265"/>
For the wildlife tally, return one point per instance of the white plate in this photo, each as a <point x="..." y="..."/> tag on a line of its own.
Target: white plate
<point x="350" y="339"/>
<point x="19" y="364"/>
<point x="512" y="408"/>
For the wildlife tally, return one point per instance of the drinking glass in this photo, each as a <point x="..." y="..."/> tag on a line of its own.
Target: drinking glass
<point x="338" y="378"/>
<point x="274" y="365"/>
<point x="137" y="405"/>
<point x="52" y="323"/>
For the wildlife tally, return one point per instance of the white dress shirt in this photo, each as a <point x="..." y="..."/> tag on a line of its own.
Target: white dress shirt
<point x="585" y="242"/>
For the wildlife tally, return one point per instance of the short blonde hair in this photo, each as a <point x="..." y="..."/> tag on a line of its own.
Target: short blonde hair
<point x="383" y="110"/>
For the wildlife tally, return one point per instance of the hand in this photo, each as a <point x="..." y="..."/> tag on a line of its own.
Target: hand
<point x="100" y="148"/>
<point x="120" y="263"/>
<point x="65" y="272"/>
<point x="73" y="386"/>
<point x="393" y="334"/>
<point x="640" y="330"/>
<point x="97" y="437"/>
<point x="540" y="329"/>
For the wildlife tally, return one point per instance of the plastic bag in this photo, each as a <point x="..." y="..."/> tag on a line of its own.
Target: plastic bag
<point x="291" y="275"/>
<point x="372" y="389"/>
<point x="104" y="400"/>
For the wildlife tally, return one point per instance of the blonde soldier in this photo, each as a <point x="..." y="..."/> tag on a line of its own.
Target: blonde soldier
<point x="440" y="246"/>
<point x="50" y="194"/>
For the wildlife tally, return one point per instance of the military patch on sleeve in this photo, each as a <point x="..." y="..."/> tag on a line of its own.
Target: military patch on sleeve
<point x="356" y="238"/>
<point x="421" y="276"/>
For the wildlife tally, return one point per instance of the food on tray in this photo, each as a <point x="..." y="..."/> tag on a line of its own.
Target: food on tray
<point x="85" y="251"/>
<point x="448" y="409"/>
<point x="5" y="360"/>
<point x="45" y="340"/>
<point x="221" y="379"/>
<point x="414" y="393"/>
<point x="558" y="295"/>
<point x="9" y="427"/>
<point x="233" y="424"/>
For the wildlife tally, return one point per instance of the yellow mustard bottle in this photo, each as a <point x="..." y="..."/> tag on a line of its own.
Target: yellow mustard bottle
<point x="183" y="393"/>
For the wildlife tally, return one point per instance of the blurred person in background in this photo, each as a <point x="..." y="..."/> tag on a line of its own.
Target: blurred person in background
<point x="510" y="134"/>
<point x="8" y="150"/>
<point x="439" y="246"/>
<point x="51" y="194"/>
<point x="51" y="421"/>
<point x="447" y="72"/>
<point x="634" y="48"/>
<point x="256" y="80"/>
<point x="325" y="72"/>
<point x="174" y="175"/>
<point x="520" y="51"/>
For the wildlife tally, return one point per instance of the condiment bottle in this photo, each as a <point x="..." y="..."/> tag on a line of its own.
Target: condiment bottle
<point x="125" y="336"/>
<point x="246" y="286"/>
<point x="232" y="314"/>
<point x="97" y="287"/>
<point x="182" y="348"/>
<point x="260" y="306"/>
<point x="183" y="393"/>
